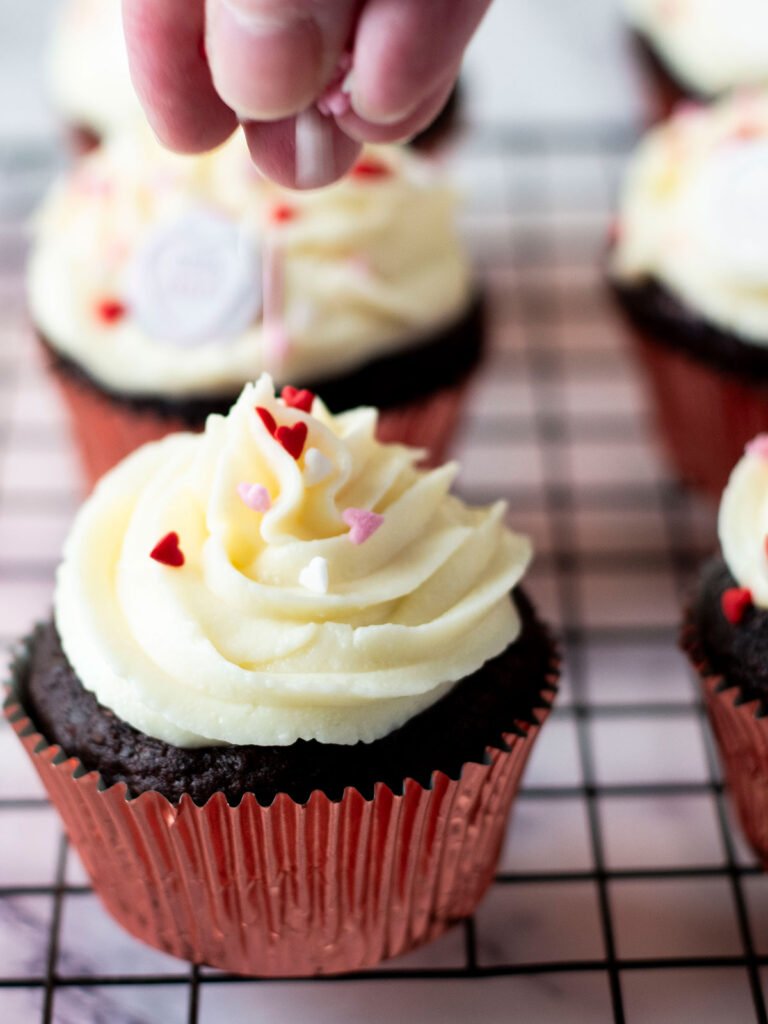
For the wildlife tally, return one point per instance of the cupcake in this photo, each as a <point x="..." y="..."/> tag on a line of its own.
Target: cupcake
<point x="702" y="48"/>
<point x="160" y="284"/>
<point x="726" y="637"/>
<point x="287" y="693"/>
<point x="90" y="83"/>
<point x="689" y="265"/>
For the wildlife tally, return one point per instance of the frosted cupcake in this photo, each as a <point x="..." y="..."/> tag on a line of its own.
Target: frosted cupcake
<point x="690" y="269"/>
<point x="703" y="48"/>
<point x="90" y="83"/>
<point x="289" y="678"/>
<point x="726" y="637"/>
<point x="146" y="284"/>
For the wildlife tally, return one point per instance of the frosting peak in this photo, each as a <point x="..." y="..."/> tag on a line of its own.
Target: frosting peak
<point x="319" y="586"/>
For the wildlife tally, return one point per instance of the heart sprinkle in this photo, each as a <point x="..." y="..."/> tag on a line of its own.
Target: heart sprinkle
<point x="281" y="213"/>
<point x="369" y="167"/>
<point x="255" y="496"/>
<point x="167" y="551"/>
<point x="292" y="438"/>
<point x="314" y="576"/>
<point x="758" y="446"/>
<point x="317" y="467"/>
<point x="110" y="310"/>
<point x="734" y="602"/>
<point x="267" y="419"/>
<point x="362" y="523"/>
<point x="296" y="398"/>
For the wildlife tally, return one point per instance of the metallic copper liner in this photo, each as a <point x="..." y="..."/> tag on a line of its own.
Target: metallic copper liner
<point x="289" y="889"/>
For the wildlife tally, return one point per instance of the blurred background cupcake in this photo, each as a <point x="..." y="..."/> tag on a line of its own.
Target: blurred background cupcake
<point x="689" y="265"/>
<point x="95" y="96"/>
<point x="160" y="283"/>
<point x="701" y="48"/>
<point x="726" y="638"/>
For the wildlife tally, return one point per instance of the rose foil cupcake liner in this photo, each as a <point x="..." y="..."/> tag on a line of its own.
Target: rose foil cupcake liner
<point x="741" y="731"/>
<point x="289" y="889"/>
<point x="704" y="416"/>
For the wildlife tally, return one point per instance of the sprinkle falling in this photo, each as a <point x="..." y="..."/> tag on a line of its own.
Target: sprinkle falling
<point x="314" y="576"/>
<point x="362" y="523"/>
<point x="292" y="438"/>
<point x="371" y="168"/>
<point x="281" y="213"/>
<point x="317" y="467"/>
<point x="167" y="551"/>
<point x="734" y="602"/>
<point x="254" y="496"/>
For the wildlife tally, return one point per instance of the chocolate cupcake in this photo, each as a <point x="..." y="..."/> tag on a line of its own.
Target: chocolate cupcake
<point x="288" y="691"/>
<point x="689" y="266"/>
<point x="145" y="284"/>
<point x="701" y="49"/>
<point x="726" y="638"/>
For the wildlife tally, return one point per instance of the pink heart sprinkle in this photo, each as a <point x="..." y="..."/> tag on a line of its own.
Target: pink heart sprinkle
<point x="362" y="523"/>
<point x="758" y="446"/>
<point x="254" y="496"/>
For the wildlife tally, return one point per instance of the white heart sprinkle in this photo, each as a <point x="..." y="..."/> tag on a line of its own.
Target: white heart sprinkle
<point x="317" y="467"/>
<point x="315" y="576"/>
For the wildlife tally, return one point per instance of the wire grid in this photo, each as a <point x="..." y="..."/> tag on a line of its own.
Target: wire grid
<point x="625" y="891"/>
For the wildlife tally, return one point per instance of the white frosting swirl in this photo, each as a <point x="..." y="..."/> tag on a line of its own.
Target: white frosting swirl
<point x="743" y="521"/>
<point x="710" y="46"/>
<point x="369" y="265"/>
<point x="239" y="645"/>
<point x="88" y="67"/>
<point x="694" y="214"/>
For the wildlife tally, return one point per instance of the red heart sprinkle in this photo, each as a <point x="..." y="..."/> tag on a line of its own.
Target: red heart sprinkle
<point x="281" y="213"/>
<point x="370" y="167"/>
<point x="167" y="551"/>
<point x="292" y="438"/>
<point x="267" y="419"/>
<point x="110" y="310"/>
<point x="298" y="399"/>
<point x="734" y="602"/>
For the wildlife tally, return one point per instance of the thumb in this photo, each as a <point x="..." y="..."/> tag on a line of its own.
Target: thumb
<point x="272" y="58"/>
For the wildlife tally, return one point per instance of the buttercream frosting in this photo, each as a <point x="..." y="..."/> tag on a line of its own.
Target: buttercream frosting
<point x="366" y="266"/>
<point x="710" y="46"/>
<point x="88" y="67"/>
<point x="743" y="521"/>
<point x="214" y="590"/>
<point x="694" y="214"/>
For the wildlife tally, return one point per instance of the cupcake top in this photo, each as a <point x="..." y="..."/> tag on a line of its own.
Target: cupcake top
<point x="88" y="67"/>
<point x="743" y="523"/>
<point x="710" y="46"/>
<point x="282" y="576"/>
<point x="694" y="214"/>
<point x="147" y="268"/>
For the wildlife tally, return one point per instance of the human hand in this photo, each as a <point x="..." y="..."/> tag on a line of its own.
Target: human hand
<point x="200" y="66"/>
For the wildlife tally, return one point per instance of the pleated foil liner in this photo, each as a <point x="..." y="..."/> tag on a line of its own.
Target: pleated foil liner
<point x="704" y="416"/>
<point x="741" y="732"/>
<point x="289" y="889"/>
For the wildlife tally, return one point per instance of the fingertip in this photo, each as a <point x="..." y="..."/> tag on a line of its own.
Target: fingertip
<point x="273" y="149"/>
<point x="363" y="131"/>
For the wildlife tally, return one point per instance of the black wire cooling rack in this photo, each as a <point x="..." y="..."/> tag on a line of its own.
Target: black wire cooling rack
<point x="625" y="891"/>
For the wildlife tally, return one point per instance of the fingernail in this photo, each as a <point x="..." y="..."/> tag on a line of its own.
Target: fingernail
<point x="259" y="19"/>
<point x="373" y="112"/>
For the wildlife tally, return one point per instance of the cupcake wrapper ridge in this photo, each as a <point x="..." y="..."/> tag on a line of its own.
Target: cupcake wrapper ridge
<point x="289" y="889"/>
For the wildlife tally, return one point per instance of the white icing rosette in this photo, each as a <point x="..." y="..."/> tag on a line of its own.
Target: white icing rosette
<point x="743" y="521"/>
<point x="218" y="588"/>
<point x="694" y="214"/>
